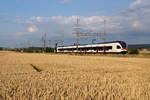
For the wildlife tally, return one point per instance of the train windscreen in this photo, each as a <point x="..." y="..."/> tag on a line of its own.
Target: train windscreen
<point x="123" y="44"/>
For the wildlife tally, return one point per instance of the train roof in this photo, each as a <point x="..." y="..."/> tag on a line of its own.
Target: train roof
<point x="94" y="43"/>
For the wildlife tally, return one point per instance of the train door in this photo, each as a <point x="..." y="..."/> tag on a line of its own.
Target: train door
<point x="85" y="50"/>
<point x="118" y="48"/>
<point x="104" y="49"/>
<point x="96" y="49"/>
<point x="80" y="50"/>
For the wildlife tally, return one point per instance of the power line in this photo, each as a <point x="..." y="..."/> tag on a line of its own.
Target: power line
<point x="88" y="35"/>
<point x="44" y="42"/>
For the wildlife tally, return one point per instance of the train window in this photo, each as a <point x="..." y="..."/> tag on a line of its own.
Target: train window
<point x="89" y="48"/>
<point x="94" y="48"/>
<point x="75" y="49"/>
<point x="118" y="47"/>
<point x="68" y="49"/>
<point x="100" y="48"/>
<point x="60" y="49"/>
<point x="65" y="49"/>
<point x="83" y="49"/>
<point x="108" y="48"/>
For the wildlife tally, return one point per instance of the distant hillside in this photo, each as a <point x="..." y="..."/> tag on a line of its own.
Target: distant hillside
<point x="138" y="46"/>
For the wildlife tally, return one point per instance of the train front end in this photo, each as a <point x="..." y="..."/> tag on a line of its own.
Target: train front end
<point x="124" y="47"/>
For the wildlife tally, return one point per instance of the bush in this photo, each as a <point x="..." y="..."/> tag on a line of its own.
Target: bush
<point x="133" y="51"/>
<point x="1" y="48"/>
<point x="48" y="50"/>
<point x="35" y="50"/>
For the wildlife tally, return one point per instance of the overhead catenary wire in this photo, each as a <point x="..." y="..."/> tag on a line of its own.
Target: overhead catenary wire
<point x="88" y="35"/>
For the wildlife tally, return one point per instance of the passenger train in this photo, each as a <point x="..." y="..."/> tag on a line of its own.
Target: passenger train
<point x="118" y="47"/>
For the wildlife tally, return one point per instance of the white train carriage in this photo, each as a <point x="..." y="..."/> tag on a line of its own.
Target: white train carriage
<point x="107" y="47"/>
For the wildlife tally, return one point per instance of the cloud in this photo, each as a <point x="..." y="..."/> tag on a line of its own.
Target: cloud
<point x="71" y="20"/>
<point x="65" y="1"/>
<point x="136" y="3"/>
<point x="139" y="3"/>
<point x="32" y="28"/>
<point x="137" y="16"/>
<point x="127" y="21"/>
<point x="3" y="14"/>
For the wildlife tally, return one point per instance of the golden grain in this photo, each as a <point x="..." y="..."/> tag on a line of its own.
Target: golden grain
<point x="73" y="77"/>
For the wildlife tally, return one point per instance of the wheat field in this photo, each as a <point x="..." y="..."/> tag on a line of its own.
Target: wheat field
<point x="73" y="77"/>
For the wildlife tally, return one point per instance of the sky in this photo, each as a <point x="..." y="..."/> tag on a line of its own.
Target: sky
<point x="22" y="22"/>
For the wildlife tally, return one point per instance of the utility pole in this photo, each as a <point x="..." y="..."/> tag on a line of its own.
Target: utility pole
<point x="44" y="42"/>
<point x="56" y="44"/>
<point x="77" y="32"/>
<point x="104" y="30"/>
<point x="77" y="41"/>
<point x="49" y="43"/>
